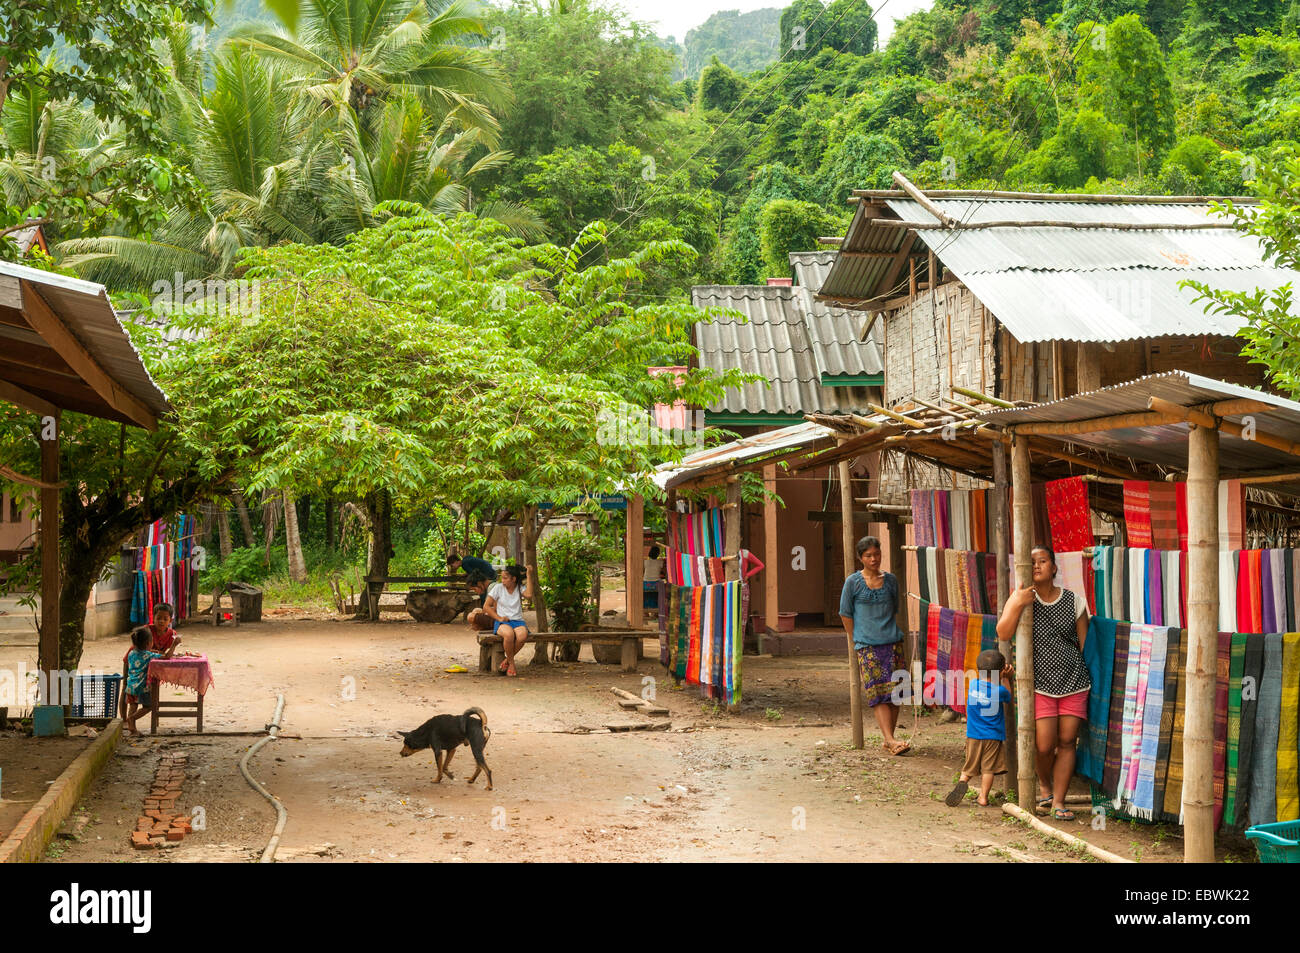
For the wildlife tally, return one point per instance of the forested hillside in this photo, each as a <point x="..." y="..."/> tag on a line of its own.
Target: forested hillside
<point x="570" y="114"/>
<point x="744" y="41"/>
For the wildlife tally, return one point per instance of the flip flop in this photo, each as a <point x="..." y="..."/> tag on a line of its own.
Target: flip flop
<point x="1043" y="805"/>
<point x="900" y="747"/>
<point x="957" y="794"/>
<point x="455" y="669"/>
<point x="1063" y="814"/>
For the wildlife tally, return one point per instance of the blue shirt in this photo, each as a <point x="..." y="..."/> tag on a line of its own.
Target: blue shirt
<point x="984" y="719"/>
<point x="137" y="666"/>
<point x="872" y="610"/>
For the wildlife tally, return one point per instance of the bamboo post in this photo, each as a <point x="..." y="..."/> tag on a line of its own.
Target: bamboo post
<point x="771" y="550"/>
<point x="1023" y="526"/>
<point x="1202" y="642"/>
<point x="1001" y="549"/>
<point x="850" y="560"/>
<point x="634" y="574"/>
<point x="732" y="515"/>
<point x="49" y="648"/>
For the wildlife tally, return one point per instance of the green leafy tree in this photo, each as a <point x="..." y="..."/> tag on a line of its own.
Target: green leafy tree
<point x="119" y="74"/>
<point x="788" y="226"/>
<point x="1124" y="77"/>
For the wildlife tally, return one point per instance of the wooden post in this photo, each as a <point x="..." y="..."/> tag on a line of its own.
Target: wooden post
<point x="1202" y="642"/>
<point x="732" y="516"/>
<point x="48" y="652"/>
<point x="633" y="545"/>
<point x="1023" y="526"/>
<point x="772" y="555"/>
<point x="850" y="560"/>
<point x="1088" y="372"/>
<point x="1001" y="549"/>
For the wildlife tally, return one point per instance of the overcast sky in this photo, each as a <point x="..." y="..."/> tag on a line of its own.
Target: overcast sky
<point x="675" y="17"/>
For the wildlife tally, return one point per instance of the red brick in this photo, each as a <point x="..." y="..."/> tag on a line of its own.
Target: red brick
<point x="153" y="812"/>
<point x="175" y="835"/>
<point x="143" y="823"/>
<point x="158" y="839"/>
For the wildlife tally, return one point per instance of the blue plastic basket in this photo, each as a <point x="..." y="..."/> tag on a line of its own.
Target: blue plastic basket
<point x="98" y="694"/>
<point x="1277" y="843"/>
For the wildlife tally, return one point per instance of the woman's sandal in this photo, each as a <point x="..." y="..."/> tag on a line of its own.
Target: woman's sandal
<point x="1063" y="814"/>
<point x="957" y="794"/>
<point x="1043" y="805"/>
<point x="899" y="747"/>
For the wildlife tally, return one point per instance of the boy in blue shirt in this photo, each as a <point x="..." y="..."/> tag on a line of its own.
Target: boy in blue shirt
<point x="986" y="731"/>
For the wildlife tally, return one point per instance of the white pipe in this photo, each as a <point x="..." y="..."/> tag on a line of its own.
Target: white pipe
<point x="282" y="816"/>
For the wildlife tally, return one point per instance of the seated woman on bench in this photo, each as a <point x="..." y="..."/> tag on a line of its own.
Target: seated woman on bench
<point x="505" y="607"/>
<point x="477" y="618"/>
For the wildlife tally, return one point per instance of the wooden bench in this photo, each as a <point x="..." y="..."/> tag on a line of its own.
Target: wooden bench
<point x="491" y="654"/>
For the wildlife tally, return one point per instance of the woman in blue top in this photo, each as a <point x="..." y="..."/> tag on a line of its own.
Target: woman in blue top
<point x="868" y="605"/>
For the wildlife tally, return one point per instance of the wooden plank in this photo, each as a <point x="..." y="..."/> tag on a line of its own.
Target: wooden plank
<point x="26" y="400"/>
<point x="633" y="544"/>
<point x="43" y="320"/>
<point x="11" y="292"/>
<point x="772" y="555"/>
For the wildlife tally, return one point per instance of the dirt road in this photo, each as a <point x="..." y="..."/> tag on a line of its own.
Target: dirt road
<point x="752" y="785"/>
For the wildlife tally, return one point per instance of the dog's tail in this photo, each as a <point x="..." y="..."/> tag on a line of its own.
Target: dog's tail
<point x="482" y="717"/>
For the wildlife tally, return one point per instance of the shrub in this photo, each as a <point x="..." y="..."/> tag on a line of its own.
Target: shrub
<point x="242" y="565"/>
<point x="566" y="562"/>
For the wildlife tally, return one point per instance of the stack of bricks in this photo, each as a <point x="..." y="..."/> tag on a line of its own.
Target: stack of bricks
<point x="159" y="824"/>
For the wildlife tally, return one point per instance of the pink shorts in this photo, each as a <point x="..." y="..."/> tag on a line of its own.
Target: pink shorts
<point x="1045" y="706"/>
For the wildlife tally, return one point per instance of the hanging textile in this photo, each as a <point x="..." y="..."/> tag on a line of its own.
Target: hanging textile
<point x="959" y="507"/>
<point x="946" y="623"/>
<point x="1115" y="713"/>
<point x="1236" y="669"/>
<point x="1144" y="791"/>
<point x="1137" y="574"/>
<point x="1228" y="593"/>
<point x="1042" y="525"/>
<point x="1135" y="708"/>
<point x="922" y="577"/>
<point x="1280" y="561"/>
<point x="1137" y="514"/>
<point x="1180" y="506"/>
<point x="1171" y="579"/>
<point x="1163" y="507"/>
<point x="1253" y="670"/>
<point x="942" y="520"/>
<point x="979" y="520"/>
<point x="1118" y="608"/>
<point x="1068" y="514"/>
<point x="923" y="517"/>
<point x="1268" y="715"/>
<point x="1099" y="656"/>
<point x="1173" y="677"/>
<point x="1174" y="778"/>
<point x="1153" y="588"/>
<point x="1101" y="582"/>
<point x="1288" y="583"/>
<point x="932" y="625"/>
<point x="1223" y="665"/>
<point x="955" y="677"/>
<point x="1232" y="514"/>
<point x="1288" y="770"/>
<point x="1295" y="592"/>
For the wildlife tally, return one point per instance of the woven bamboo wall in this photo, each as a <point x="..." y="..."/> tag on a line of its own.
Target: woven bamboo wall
<point x="936" y="340"/>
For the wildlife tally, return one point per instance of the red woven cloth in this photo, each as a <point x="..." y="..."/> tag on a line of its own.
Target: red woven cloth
<point x="1137" y="513"/>
<point x="1180" y="499"/>
<point x="186" y="671"/>
<point x="1163" y="499"/>
<point x="1068" y="514"/>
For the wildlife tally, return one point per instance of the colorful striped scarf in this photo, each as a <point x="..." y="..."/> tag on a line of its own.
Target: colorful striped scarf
<point x="1223" y="665"/>
<point x="1173" y="678"/>
<point x="1268" y="714"/>
<point x="1099" y="655"/>
<point x="1251" y="675"/>
<point x="1115" y="716"/>
<point x="1174" y="782"/>
<point x="1288" y="775"/>
<point x="1163" y="503"/>
<point x="1144" y="791"/>
<point x="1236" y="669"/>
<point x="1137" y="514"/>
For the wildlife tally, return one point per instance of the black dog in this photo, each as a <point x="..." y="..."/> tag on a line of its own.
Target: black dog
<point x="444" y="734"/>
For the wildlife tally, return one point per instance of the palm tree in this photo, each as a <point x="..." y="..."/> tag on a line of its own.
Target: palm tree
<point x="351" y="56"/>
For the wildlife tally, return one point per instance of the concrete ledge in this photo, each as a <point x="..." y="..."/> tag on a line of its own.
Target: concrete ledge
<point x="26" y="844"/>
<point x="804" y="643"/>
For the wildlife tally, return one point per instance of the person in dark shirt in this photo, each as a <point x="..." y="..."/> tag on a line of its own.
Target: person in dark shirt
<point x="471" y="564"/>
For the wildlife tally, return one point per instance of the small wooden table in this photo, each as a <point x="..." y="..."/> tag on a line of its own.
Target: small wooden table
<point x="190" y="671"/>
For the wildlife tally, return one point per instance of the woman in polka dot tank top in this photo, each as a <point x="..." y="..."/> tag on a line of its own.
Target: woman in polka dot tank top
<point x="1061" y="681"/>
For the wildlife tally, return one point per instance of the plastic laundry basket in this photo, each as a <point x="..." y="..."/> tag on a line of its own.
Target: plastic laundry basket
<point x="1277" y="843"/>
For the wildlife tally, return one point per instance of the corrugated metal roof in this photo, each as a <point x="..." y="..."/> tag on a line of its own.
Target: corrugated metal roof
<point x="85" y="309"/>
<point x="1055" y="283"/>
<point x="833" y="331"/>
<point x="774" y="341"/>
<point x="787" y="438"/>
<point x="1166" y="445"/>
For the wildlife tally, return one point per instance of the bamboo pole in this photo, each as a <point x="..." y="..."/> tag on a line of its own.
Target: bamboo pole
<point x="1202" y="642"/>
<point x="850" y="561"/>
<point x="1001" y="549"/>
<point x="1100" y="853"/>
<point x="634" y="562"/>
<point x="49" y="650"/>
<point x="1096" y="424"/>
<point x="1023" y="527"/>
<point x="976" y="395"/>
<point x="1203" y="418"/>
<point x="920" y="198"/>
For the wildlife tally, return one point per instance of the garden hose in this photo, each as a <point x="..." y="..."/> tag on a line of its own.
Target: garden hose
<point x="268" y="855"/>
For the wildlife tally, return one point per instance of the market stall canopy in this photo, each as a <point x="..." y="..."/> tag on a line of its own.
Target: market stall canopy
<point x="1148" y="419"/>
<point x="62" y="347"/>
<point x="744" y="454"/>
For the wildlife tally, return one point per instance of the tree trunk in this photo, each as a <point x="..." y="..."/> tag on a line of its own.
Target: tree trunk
<point x="270" y="519"/>
<point x="293" y="541"/>
<point x="245" y="523"/>
<point x="223" y="532"/>
<point x="329" y="522"/>
<point x="531" y="531"/>
<point x="379" y="510"/>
